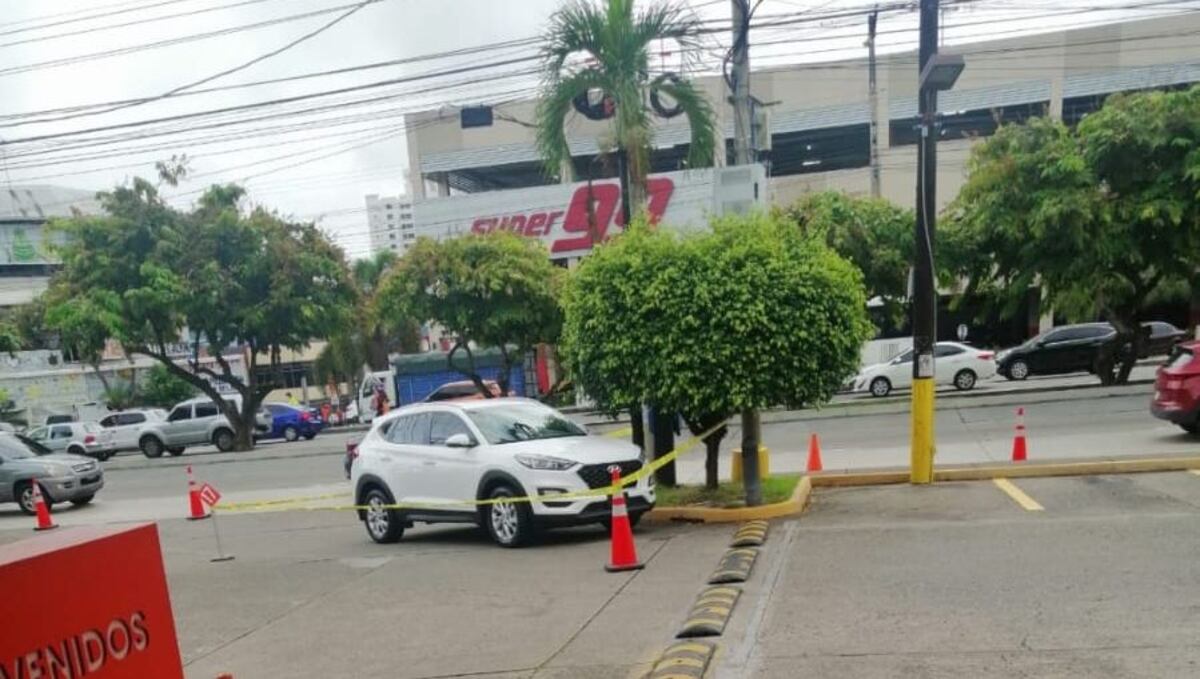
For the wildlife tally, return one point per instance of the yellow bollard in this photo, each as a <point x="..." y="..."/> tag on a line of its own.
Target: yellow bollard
<point x="764" y="463"/>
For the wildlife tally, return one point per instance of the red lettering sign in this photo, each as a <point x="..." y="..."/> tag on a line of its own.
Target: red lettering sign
<point x="584" y="228"/>
<point x="122" y="629"/>
<point x="209" y="495"/>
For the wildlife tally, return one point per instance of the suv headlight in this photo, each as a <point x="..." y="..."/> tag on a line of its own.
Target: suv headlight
<point x="545" y="462"/>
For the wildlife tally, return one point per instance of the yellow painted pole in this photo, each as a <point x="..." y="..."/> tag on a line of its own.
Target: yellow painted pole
<point x="922" y="431"/>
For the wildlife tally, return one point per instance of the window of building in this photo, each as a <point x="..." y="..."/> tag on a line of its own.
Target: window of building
<point x="392" y="236"/>
<point x="981" y="122"/>
<point x="291" y="375"/>
<point x="823" y="150"/>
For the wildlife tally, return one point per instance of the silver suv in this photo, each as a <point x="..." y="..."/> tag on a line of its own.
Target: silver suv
<point x="62" y="477"/>
<point x="194" y="423"/>
<point x="77" y="438"/>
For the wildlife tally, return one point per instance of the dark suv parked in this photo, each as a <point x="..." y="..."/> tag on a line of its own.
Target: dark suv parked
<point x="1065" y="349"/>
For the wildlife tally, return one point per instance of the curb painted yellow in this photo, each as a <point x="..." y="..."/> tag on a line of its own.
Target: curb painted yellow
<point x="793" y="505"/>
<point x="1023" y="470"/>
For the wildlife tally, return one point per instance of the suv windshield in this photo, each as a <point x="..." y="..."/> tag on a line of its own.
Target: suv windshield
<point x="514" y="422"/>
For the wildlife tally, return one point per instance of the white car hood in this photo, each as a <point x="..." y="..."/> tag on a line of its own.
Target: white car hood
<point x="871" y="370"/>
<point x="581" y="449"/>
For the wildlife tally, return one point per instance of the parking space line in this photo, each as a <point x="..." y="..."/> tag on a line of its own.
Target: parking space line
<point x="1018" y="496"/>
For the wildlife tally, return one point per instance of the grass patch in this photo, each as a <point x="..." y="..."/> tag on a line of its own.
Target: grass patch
<point x="775" y="488"/>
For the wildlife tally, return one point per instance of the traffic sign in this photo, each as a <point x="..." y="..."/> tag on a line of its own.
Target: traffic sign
<point x="209" y="495"/>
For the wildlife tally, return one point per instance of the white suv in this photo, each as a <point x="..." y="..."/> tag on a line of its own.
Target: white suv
<point x="441" y="458"/>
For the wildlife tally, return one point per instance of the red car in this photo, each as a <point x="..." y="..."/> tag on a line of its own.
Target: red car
<point x="1177" y="389"/>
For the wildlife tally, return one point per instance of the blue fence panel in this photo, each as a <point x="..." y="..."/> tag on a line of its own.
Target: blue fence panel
<point x="414" y="388"/>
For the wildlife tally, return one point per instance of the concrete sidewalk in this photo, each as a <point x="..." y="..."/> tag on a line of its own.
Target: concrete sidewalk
<point x="959" y="580"/>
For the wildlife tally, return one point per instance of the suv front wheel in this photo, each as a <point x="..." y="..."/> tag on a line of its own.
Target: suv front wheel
<point x="383" y="523"/>
<point x="151" y="447"/>
<point x="509" y="523"/>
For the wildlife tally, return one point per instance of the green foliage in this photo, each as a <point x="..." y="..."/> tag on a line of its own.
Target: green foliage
<point x="1101" y="217"/>
<point x="28" y="321"/>
<point x="751" y="315"/>
<point x="10" y="341"/>
<point x="163" y="389"/>
<point x="145" y="272"/>
<point x="874" y="234"/>
<point x="616" y="42"/>
<point x="496" y="290"/>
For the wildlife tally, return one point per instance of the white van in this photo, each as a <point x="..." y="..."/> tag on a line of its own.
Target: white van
<point x="366" y="393"/>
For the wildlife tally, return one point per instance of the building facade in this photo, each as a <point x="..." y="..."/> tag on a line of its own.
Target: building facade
<point x="26" y="261"/>
<point x="390" y="223"/>
<point x="815" y="125"/>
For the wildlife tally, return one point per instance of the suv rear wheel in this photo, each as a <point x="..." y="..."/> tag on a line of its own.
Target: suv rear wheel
<point x="384" y="525"/>
<point x="223" y="440"/>
<point x="151" y="447"/>
<point x="509" y="523"/>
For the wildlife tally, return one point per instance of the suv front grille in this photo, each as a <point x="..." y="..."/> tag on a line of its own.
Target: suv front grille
<point x="598" y="476"/>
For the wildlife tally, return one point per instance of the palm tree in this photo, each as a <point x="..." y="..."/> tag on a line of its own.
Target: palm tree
<point x="369" y="339"/>
<point x="605" y="46"/>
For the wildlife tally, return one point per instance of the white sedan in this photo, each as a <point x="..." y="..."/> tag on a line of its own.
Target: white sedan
<point x="954" y="364"/>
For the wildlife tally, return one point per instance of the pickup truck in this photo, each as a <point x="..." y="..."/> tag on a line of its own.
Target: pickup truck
<point x="195" y="422"/>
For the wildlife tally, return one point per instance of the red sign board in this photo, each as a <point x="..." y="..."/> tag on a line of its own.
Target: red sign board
<point x="59" y="626"/>
<point x="209" y="495"/>
<point x="580" y="227"/>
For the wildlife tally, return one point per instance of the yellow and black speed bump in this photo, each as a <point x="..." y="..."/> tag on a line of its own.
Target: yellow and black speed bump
<point x="751" y="534"/>
<point x="684" y="660"/>
<point x="710" y="612"/>
<point x="735" y="566"/>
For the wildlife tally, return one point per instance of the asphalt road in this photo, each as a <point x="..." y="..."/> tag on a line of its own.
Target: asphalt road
<point x="1065" y="424"/>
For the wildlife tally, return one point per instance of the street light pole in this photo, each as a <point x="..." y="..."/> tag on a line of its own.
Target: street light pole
<point x="924" y="301"/>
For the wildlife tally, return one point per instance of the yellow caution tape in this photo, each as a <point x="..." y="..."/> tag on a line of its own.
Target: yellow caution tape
<point x="602" y="492"/>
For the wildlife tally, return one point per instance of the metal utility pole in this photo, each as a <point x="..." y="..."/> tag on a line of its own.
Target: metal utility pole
<point x="740" y="84"/>
<point x="873" y="93"/>
<point x="924" y="302"/>
<point x="743" y="154"/>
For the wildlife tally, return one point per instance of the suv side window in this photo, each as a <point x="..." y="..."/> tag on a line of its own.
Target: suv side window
<point x="110" y="421"/>
<point x="60" y="432"/>
<point x="206" y="410"/>
<point x="444" y="425"/>
<point x="399" y="430"/>
<point x="130" y="418"/>
<point x="419" y="434"/>
<point x="180" y="413"/>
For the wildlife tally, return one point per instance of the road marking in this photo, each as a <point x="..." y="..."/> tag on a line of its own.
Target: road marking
<point x="1194" y="471"/>
<point x="1018" y="496"/>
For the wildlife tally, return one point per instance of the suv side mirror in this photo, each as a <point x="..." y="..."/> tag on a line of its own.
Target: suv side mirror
<point x="459" y="440"/>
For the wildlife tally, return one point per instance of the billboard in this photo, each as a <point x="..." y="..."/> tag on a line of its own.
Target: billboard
<point x="570" y="218"/>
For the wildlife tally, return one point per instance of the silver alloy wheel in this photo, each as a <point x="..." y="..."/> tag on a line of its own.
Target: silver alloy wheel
<point x="880" y="386"/>
<point x="965" y="380"/>
<point x="504" y="520"/>
<point x="290" y="434"/>
<point x="378" y="517"/>
<point x="1019" y="370"/>
<point x="27" y="499"/>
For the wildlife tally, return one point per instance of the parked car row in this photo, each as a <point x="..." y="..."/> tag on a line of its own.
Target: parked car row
<point x="61" y="477"/>
<point x="1061" y="350"/>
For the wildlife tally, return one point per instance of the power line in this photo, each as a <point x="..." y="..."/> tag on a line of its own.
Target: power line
<point x="139" y="8"/>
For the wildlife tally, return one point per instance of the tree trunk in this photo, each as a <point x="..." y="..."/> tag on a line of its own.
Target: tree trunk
<point x="470" y="372"/>
<point x="638" y="437"/>
<point x="712" y="445"/>
<point x="664" y="443"/>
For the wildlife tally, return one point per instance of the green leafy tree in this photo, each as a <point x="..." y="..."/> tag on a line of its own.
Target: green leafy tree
<point x="875" y="234"/>
<point x="366" y="341"/>
<point x="754" y="314"/>
<point x="1103" y="217"/>
<point x="605" y="47"/>
<point x="213" y="276"/>
<point x="162" y="389"/>
<point x="10" y="340"/>
<point x="493" y="290"/>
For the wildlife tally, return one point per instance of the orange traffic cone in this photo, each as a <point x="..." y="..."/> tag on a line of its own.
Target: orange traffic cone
<point x="814" y="453"/>
<point x="1019" y="451"/>
<point x="44" y="522"/>
<point x="624" y="553"/>
<point x="196" y="506"/>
